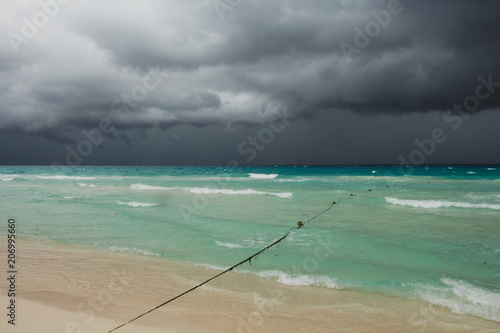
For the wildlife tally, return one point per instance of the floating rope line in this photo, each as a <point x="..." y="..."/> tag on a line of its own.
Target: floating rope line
<point x="201" y="284"/>
<point x="249" y="259"/>
<point x="301" y="224"/>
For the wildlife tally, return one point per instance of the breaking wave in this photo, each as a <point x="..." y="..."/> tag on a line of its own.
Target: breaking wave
<point x="85" y="185"/>
<point x="148" y="187"/>
<point x="463" y="298"/>
<point x="59" y="177"/>
<point x="229" y="245"/>
<point x="263" y="175"/>
<point x="300" y="280"/>
<point x="430" y="204"/>
<point x="136" y="204"/>
<point x="206" y="190"/>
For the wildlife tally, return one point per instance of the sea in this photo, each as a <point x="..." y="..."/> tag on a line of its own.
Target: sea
<point x="430" y="233"/>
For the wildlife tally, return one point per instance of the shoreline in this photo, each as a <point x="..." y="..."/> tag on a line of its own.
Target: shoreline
<point x="70" y="288"/>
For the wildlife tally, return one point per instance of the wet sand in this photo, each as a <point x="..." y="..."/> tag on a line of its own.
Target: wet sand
<point x="66" y="288"/>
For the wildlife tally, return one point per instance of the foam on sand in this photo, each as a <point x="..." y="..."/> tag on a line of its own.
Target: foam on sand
<point x="47" y="295"/>
<point x="133" y="250"/>
<point x="300" y="280"/>
<point x="432" y="204"/>
<point x="463" y="297"/>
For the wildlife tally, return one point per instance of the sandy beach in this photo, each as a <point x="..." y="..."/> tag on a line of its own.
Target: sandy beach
<point x="67" y="288"/>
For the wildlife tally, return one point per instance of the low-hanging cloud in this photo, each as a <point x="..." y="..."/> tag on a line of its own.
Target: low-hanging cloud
<point x="92" y="60"/>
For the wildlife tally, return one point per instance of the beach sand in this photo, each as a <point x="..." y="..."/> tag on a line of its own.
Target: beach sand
<point x="67" y="288"/>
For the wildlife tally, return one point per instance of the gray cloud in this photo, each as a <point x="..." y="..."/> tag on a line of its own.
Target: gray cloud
<point x="164" y="64"/>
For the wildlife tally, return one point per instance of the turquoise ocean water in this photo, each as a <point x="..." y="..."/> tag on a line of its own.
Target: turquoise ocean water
<point x="430" y="233"/>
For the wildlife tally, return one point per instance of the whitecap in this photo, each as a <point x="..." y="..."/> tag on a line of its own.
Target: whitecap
<point x="85" y="185"/>
<point x="300" y="180"/>
<point x="484" y="196"/>
<point x="229" y="245"/>
<point x="60" y="177"/>
<point x="6" y="179"/>
<point x="136" y="204"/>
<point x="429" y="204"/>
<point x="112" y="178"/>
<point x="207" y="190"/>
<point x="263" y="175"/>
<point x="148" y="187"/>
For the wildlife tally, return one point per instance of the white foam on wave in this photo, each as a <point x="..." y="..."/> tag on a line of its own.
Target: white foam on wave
<point x="388" y="178"/>
<point x="60" y="177"/>
<point x="207" y="190"/>
<point x="257" y="241"/>
<point x="263" y="175"/>
<point x="85" y="185"/>
<point x="300" y="280"/>
<point x="148" y="187"/>
<point x="229" y="245"/>
<point x="471" y="172"/>
<point x="429" y="204"/>
<point x="136" y="204"/>
<point x="463" y="298"/>
<point x="491" y="169"/>
<point x="6" y="179"/>
<point x="484" y="196"/>
<point x="284" y="278"/>
<point x="300" y="180"/>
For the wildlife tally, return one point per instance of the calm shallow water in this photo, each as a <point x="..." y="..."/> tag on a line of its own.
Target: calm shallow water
<point x="433" y="234"/>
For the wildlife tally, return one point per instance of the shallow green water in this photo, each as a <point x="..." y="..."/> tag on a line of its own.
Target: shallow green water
<point x="432" y="234"/>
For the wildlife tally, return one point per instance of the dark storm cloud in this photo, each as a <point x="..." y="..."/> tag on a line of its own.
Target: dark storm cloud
<point x="163" y="64"/>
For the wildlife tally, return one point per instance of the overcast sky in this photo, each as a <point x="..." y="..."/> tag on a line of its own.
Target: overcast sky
<point x="175" y="82"/>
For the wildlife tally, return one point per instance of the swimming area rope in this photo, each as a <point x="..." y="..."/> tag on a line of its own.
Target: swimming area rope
<point x="249" y="259"/>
